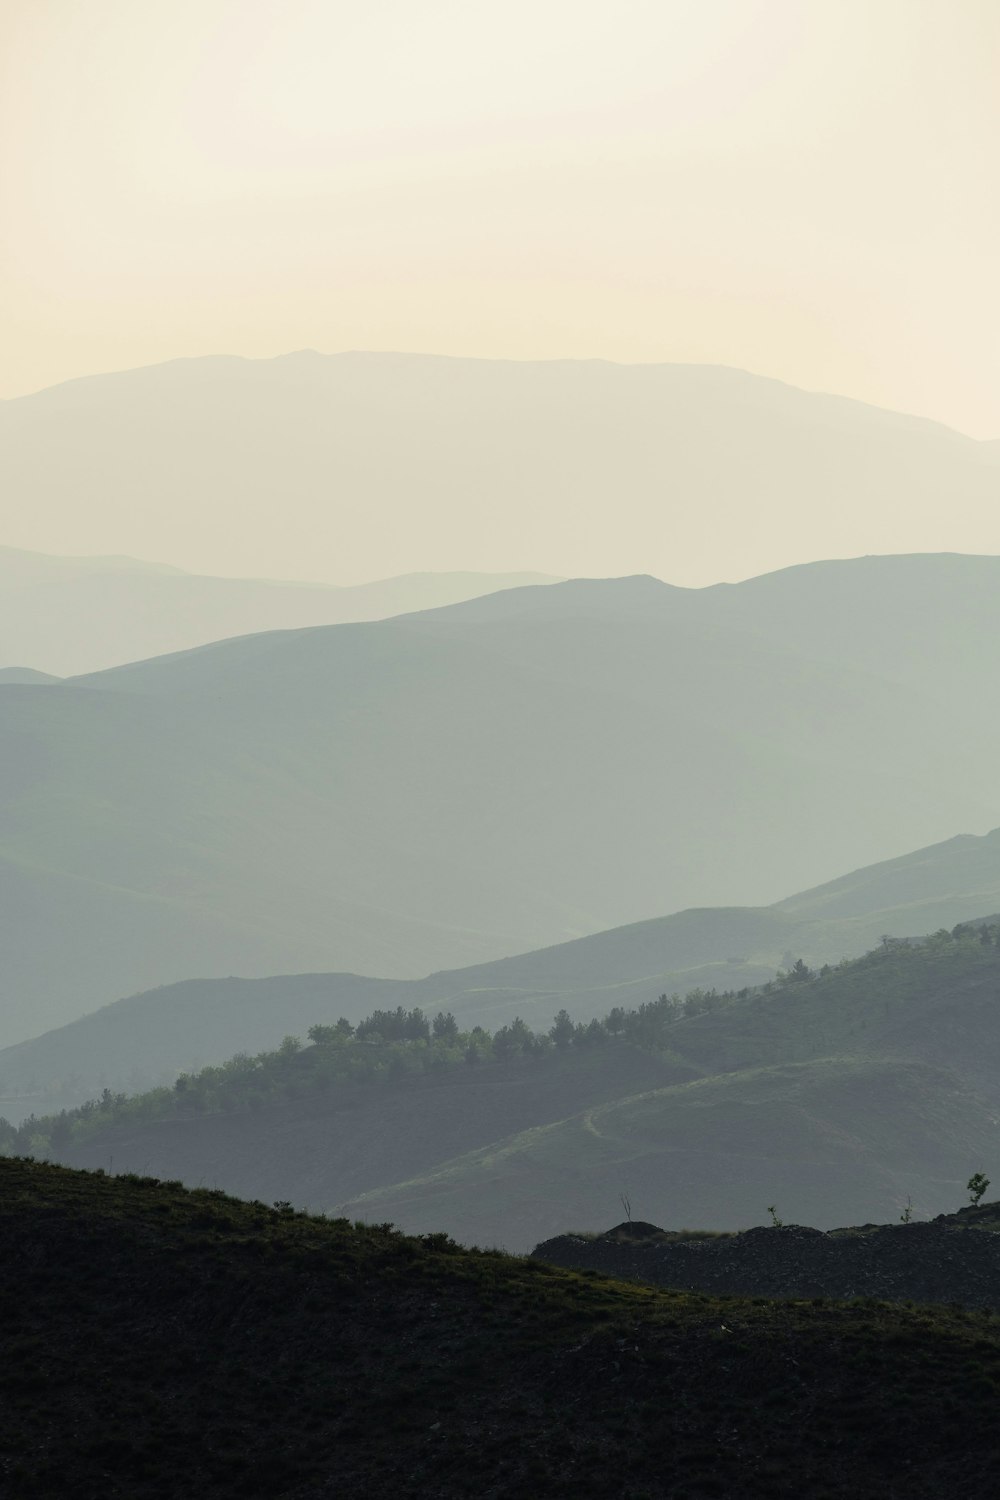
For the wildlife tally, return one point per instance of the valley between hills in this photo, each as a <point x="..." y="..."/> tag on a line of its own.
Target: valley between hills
<point x="362" y="967"/>
<point x="499" y="745"/>
<point x="443" y="789"/>
<point x="843" y="1093"/>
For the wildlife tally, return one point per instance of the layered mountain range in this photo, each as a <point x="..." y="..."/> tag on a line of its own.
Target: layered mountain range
<point x="149" y="1038"/>
<point x="66" y="615"/>
<point x="862" y="1091"/>
<point x="445" y="788"/>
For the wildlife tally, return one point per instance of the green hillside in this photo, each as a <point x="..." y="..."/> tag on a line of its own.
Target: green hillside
<point x="151" y="1037"/>
<point x="164" y="1343"/>
<point x="827" y="1140"/>
<point x="843" y="1093"/>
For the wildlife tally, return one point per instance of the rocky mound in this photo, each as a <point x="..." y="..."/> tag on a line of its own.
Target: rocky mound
<point x="952" y="1259"/>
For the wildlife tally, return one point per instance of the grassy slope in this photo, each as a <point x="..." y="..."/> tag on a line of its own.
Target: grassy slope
<point x="936" y="1002"/>
<point x="319" y="1150"/>
<point x="150" y="1037"/>
<point x="839" y="1097"/>
<point x="827" y="1141"/>
<point x="165" y="1343"/>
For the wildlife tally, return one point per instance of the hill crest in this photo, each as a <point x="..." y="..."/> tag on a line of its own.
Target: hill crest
<point x="451" y="1372"/>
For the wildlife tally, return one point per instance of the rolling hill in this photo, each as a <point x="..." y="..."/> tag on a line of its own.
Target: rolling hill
<point x="25" y="676"/>
<point x="149" y="1038"/>
<point x="448" y="787"/>
<point x="837" y="1095"/>
<point x="864" y="1087"/>
<point x="356" y="465"/>
<point x="82" y="614"/>
<point x="189" y="1344"/>
<point x="954" y="1258"/>
<point x="814" y="1138"/>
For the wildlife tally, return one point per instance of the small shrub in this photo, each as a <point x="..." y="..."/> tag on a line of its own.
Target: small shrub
<point x="976" y="1187"/>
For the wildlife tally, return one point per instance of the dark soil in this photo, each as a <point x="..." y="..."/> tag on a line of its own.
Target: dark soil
<point x="951" y="1259"/>
<point x="172" y="1344"/>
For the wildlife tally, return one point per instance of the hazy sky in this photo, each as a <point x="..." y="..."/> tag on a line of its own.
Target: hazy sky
<point x="804" y="188"/>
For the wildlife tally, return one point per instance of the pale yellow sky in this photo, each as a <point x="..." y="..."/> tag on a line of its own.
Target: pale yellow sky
<point x="808" y="189"/>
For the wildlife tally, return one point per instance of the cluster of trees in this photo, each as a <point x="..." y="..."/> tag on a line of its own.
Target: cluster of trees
<point x="386" y="1047"/>
<point x="390" y="1046"/>
<point x="987" y="934"/>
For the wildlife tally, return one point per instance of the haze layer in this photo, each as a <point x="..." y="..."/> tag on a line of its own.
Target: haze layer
<point x="356" y="466"/>
<point x="460" y="784"/>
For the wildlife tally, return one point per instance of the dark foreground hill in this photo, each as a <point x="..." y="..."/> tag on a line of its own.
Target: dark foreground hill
<point x="164" y="1343"/>
<point x="953" y="1258"/>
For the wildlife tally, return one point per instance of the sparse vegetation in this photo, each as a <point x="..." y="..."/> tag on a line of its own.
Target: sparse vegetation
<point x="976" y="1187"/>
<point x="702" y="1059"/>
<point x="954" y="1258"/>
<point x="386" y="1047"/>
<point x="390" y="1046"/>
<point x="164" y="1342"/>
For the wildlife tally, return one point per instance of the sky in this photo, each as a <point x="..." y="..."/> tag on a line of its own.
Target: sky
<point x="807" y="189"/>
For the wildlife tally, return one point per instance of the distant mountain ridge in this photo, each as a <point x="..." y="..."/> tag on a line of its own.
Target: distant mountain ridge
<point x="25" y="677"/>
<point x="71" y="615"/>
<point x="149" y="1038"/>
<point x="867" y="1085"/>
<point x="401" y="463"/>
<point x="437" y="790"/>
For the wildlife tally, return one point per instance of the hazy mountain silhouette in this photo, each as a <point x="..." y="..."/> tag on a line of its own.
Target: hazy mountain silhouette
<point x="444" y="788"/>
<point x="83" y="614"/>
<point x="149" y="1038"/>
<point x="23" y="676"/>
<point x="395" y="463"/>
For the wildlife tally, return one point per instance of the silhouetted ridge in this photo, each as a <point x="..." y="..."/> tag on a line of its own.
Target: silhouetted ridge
<point x="25" y="677"/>
<point x="151" y="1036"/>
<point x="954" y="1258"/>
<point x="437" y="791"/>
<point x="853" y="1090"/>
<point x="162" y="1342"/>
